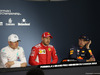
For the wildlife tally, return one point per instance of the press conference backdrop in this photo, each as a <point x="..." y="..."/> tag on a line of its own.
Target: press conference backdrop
<point x="65" y="20"/>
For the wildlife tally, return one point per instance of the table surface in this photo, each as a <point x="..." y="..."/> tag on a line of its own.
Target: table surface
<point x="59" y="69"/>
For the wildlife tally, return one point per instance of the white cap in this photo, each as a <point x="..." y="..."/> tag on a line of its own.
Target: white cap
<point x="13" y="38"/>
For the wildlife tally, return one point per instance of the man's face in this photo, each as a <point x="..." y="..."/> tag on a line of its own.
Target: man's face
<point x="13" y="45"/>
<point x="46" y="41"/>
<point x="82" y="42"/>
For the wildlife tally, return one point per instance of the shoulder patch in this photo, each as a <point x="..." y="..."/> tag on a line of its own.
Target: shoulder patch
<point x="4" y="49"/>
<point x="50" y="46"/>
<point x="71" y="48"/>
<point x="38" y="45"/>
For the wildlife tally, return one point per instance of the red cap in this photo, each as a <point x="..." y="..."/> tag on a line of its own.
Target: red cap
<point x="46" y="34"/>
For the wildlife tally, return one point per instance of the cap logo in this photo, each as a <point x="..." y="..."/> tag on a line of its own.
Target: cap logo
<point x="15" y="36"/>
<point x="48" y="33"/>
<point x="84" y="36"/>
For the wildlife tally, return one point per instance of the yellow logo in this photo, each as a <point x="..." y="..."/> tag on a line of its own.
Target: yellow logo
<point x="90" y="51"/>
<point x="49" y="49"/>
<point x="71" y="51"/>
<point x="40" y="51"/>
<point x="83" y="51"/>
<point x="49" y="33"/>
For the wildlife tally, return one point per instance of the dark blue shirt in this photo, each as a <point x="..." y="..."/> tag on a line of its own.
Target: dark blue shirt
<point x="81" y="54"/>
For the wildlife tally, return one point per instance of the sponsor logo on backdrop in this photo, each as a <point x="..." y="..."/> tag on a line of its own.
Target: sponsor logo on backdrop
<point x="10" y="23"/>
<point x="24" y="23"/>
<point x="1" y="23"/>
<point x="9" y="12"/>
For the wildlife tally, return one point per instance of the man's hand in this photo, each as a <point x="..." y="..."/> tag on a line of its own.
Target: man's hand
<point x="9" y="64"/>
<point x="23" y="64"/>
<point x="91" y="59"/>
<point x="88" y="44"/>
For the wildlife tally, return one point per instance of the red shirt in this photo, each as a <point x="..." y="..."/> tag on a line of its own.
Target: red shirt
<point x="41" y="54"/>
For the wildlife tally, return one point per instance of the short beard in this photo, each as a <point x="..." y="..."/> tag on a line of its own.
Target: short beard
<point x="45" y="44"/>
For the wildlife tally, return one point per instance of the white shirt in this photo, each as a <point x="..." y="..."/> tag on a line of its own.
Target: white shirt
<point x="9" y="54"/>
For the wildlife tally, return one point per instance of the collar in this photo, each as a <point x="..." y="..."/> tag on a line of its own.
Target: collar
<point x="43" y="45"/>
<point x="12" y="49"/>
<point x="81" y="47"/>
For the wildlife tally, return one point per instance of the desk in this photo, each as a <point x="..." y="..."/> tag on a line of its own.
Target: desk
<point x="57" y="69"/>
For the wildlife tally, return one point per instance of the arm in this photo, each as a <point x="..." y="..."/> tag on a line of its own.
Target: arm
<point x="22" y="62"/>
<point x="23" y="59"/>
<point x="90" y="54"/>
<point x="4" y="59"/>
<point x="54" y="56"/>
<point x="6" y="63"/>
<point x="33" y="55"/>
<point x="73" y="53"/>
<point x="89" y="57"/>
